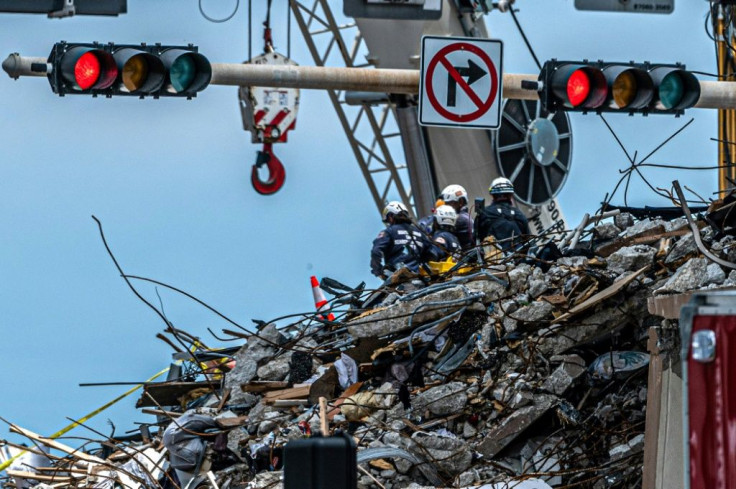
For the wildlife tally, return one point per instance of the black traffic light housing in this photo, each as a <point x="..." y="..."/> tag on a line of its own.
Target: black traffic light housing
<point x="644" y="88"/>
<point x="139" y="70"/>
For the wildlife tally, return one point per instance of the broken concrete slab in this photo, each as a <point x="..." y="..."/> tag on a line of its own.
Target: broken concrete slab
<point x="451" y="456"/>
<point x="564" y="376"/>
<point x="631" y="258"/>
<point x="692" y="275"/>
<point x="275" y="369"/>
<point x="513" y="426"/>
<point x="405" y="314"/>
<point x="442" y="400"/>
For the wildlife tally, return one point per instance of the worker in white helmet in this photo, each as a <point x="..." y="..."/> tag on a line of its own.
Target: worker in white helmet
<point x="502" y="219"/>
<point x="400" y="244"/>
<point x="426" y="223"/>
<point x="456" y="197"/>
<point x="443" y="233"/>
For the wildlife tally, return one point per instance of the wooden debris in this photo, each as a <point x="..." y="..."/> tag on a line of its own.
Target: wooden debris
<point x="290" y="393"/>
<point x="234" y="422"/>
<point x="323" y="423"/>
<point x="351" y="390"/>
<point x="169" y="393"/>
<point x="263" y="386"/>
<point x="604" y="294"/>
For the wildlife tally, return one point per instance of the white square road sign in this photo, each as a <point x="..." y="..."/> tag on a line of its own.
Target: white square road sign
<point x="460" y="82"/>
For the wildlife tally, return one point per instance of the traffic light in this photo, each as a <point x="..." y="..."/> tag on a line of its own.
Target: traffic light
<point x="643" y="88"/>
<point x="128" y="69"/>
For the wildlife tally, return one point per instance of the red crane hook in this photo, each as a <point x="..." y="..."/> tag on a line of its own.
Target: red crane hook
<point x="276" y="172"/>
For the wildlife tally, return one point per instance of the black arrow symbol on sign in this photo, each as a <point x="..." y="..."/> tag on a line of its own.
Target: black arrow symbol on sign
<point x="473" y="72"/>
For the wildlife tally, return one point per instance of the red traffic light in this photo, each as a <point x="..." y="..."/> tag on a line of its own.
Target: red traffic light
<point x="617" y="87"/>
<point x="579" y="86"/>
<point x="126" y="69"/>
<point x="85" y="68"/>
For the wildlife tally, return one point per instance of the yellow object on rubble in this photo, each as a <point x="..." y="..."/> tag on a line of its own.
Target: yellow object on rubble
<point x="491" y="250"/>
<point x="442" y="267"/>
<point x="491" y="253"/>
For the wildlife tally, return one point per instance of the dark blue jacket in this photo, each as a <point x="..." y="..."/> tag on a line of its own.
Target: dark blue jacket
<point x="464" y="229"/>
<point x="503" y="221"/>
<point x="445" y="242"/>
<point x="426" y="224"/>
<point x="399" y="244"/>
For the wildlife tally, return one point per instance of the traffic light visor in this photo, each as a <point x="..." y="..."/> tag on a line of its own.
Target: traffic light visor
<point x="677" y="89"/>
<point x="631" y="88"/>
<point x="579" y="86"/>
<point x="85" y="68"/>
<point x="141" y="72"/>
<point x="188" y="71"/>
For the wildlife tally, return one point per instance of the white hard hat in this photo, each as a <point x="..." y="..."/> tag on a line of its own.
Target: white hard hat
<point x="445" y="215"/>
<point x="501" y="185"/>
<point x="454" y="193"/>
<point x="394" y="208"/>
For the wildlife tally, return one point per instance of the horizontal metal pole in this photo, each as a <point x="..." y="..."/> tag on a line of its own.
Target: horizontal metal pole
<point x="717" y="95"/>
<point x="16" y="66"/>
<point x="713" y="94"/>
<point x="326" y="78"/>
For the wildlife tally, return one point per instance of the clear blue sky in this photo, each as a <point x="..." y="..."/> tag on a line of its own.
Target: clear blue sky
<point x="169" y="179"/>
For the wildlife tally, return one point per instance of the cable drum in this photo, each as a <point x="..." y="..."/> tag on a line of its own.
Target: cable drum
<point x="533" y="149"/>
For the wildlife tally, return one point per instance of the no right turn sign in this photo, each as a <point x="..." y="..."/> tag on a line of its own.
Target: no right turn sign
<point x="460" y="84"/>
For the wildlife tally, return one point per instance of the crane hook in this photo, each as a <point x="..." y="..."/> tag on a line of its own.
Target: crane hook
<point x="276" y="172"/>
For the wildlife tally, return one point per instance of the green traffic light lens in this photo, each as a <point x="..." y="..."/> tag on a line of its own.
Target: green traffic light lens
<point x="671" y="90"/>
<point x="182" y="73"/>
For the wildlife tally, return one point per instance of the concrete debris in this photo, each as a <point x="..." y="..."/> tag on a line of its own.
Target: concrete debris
<point x="631" y="258"/>
<point x="564" y="376"/>
<point x="483" y="378"/>
<point x="692" y="275"/>
<point x="443" y="399"/>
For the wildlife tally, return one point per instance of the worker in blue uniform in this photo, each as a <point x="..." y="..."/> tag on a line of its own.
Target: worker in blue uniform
<point x="444" y="240"/>
<point x="456" y="197"/>
<point x="502" y="219"/>
<point x="401" y="244"/>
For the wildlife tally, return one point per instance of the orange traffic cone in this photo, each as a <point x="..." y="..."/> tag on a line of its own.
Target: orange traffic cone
<point x="319" y="300"/>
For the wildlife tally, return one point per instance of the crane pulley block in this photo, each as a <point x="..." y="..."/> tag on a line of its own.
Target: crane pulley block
<point x="269" y="113"/>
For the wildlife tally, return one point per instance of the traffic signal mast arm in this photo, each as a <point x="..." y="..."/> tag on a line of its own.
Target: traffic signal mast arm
<point x="713" y="94"/>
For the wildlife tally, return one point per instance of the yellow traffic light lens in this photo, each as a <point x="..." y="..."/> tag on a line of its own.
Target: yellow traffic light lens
<point x="182" y="73"/>
<point x="624" y="89"/>
<point x="135" y="72"/>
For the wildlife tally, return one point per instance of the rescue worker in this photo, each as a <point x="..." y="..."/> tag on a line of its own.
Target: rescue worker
<point x="443" y="239"/>
<point x="502" y="219"/>
<point x="456" y="197"/>
<point x="427" y="222"/>
<point x="400" y="244"/>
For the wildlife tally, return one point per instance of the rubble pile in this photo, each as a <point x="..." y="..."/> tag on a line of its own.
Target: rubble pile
<point x="520" y="370"/>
